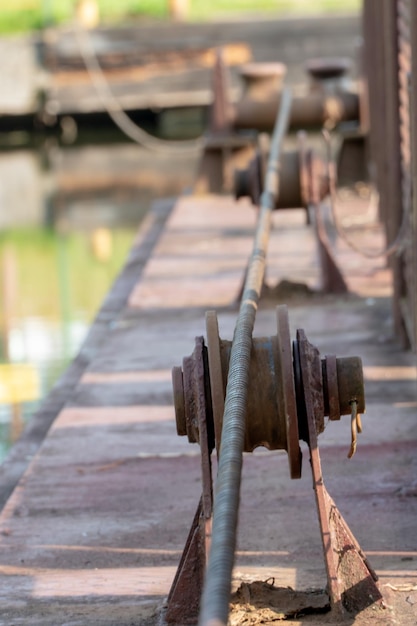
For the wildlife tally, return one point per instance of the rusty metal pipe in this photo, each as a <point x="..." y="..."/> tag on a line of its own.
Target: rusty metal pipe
<point x="310" y="110"/>
<point x="216" y="593"/>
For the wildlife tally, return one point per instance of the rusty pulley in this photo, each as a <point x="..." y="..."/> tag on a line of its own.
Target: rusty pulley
<point x="291" y="390"/>
<point x="304" y="183"/>
<point x="303" y="177"/>
<point x="276" y="414"/>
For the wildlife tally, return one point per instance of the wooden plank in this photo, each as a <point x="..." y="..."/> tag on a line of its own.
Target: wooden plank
<point x="201" y="257"/>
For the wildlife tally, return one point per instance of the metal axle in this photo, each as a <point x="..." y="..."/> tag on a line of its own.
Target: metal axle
<point x="340" y="380"/>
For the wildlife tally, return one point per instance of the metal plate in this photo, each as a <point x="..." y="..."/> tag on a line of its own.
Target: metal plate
<point x="216" y="374"/>
<point x="286" y="391"/>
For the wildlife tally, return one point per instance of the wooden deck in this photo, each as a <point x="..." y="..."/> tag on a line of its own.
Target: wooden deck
<point x="94" y="530"/>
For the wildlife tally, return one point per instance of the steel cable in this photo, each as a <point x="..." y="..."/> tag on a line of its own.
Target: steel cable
<point x="216" y="594"/>
<point x="116" y="112"/>
<point x="396" y="247"/>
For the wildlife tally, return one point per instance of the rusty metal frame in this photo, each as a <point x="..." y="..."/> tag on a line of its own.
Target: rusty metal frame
<point x="184" y="597"/>
<point x="413" y="167"/>
<point x="390" y="41"/>
<point x="351" y="582"/>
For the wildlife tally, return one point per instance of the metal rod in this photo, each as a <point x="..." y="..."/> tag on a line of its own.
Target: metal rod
<point x="216" y="594"/>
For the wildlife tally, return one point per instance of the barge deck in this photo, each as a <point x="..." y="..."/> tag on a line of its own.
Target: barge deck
<point x="93" y="531"/>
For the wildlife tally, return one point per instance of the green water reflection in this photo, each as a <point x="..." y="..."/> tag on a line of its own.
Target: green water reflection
<point x="52" y="284"/>
<point x="68" y="216"/>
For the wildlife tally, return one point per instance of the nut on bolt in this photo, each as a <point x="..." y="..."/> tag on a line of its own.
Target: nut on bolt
<point x="342" y="384"/>
<point x="189" y="392"/>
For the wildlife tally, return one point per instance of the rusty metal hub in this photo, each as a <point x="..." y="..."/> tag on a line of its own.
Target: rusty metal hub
<point x="291" y="391"/>
<point x="304" y="183"/>
<point x="303" y="177"/>
<point x="276" y="416"/>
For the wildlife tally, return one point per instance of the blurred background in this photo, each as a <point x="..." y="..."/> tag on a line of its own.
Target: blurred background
<point x="73" y="186"/>
<point x="26" y="15"/>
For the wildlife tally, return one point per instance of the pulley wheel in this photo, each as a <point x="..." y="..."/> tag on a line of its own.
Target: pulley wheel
<point x="287" y="403"/>
<point x="216" y="373"/>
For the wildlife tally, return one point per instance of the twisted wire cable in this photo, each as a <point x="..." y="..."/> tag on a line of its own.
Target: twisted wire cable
<point x="116" y="112"/>
<point x="216" y="593"/>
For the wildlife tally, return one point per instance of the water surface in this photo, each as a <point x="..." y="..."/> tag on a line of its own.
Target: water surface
<point x="68" y="217"/>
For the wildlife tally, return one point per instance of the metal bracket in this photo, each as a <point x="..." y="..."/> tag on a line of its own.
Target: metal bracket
<point x="350" y="579"/>
<point x="184" y="597"/>
<point x="196" y="420"/>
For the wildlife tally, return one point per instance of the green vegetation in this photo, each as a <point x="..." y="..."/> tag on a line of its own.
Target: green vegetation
<point x="56" y="283"/>
<point x="201" y="9"/>
<point x="25" y="15"/>
<point x="48" y="268"/>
